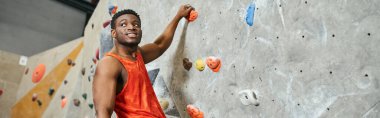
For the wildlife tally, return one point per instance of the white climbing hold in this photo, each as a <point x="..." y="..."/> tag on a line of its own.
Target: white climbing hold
<point x="248" y="97"/>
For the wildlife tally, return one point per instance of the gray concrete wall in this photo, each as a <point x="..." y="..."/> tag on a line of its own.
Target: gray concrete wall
<point x="10" y="76"/>
<point x="37" y="25"/>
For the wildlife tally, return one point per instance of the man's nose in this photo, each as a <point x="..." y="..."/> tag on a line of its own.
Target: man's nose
<point x="130" y="27"/>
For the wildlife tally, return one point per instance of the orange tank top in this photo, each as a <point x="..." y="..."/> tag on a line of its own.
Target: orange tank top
<point x="137" y="98"/>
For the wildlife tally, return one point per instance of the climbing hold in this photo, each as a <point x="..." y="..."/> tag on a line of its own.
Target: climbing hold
<point x="89" y="78"/>
<point x="187" y="64"/>
<point x="92" y="70"/>
<point x="69" y="62"/>
<point x="199" y="64"/>
<point x="249" y="18"/>
<point x="194" y="112"/>
<point x="84" y="95"/>
<point x="248" y="97"/>
<point x="34" y="97"/>
<point x="192" y="16"/>
<point x="38" y="73"/>
<point x="63" y="102"/>
<point x="106" y="23"/>
<point x="1" y="91"/>
<point x="83" y="71"/>
<point x="97" y="54"/>
<point x="51" y="91"/>
<point x="213" y="63"/>
<point x="65" y="82"/>
<point x="153" y="75"/>
<point x="112" y="10"/>
<point x="26" y="70"/>
<point x="91" y="105"/>
<point x="94" y="60"/>
<point x="164" y="104"/>
<point x="39" y="102"/>
<point x="76" y="102"/>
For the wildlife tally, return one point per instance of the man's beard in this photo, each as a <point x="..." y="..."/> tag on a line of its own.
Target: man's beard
<point x="131" y="44"/>
<point x="128" y="44"/>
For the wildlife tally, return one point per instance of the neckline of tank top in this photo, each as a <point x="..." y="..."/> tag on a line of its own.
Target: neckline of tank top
<point x="126" y="58"/>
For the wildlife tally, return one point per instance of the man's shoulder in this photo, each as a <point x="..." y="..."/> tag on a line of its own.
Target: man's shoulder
<point x="108" y="62"/>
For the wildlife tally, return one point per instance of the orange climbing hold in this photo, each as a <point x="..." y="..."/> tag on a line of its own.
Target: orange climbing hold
<point x="38" y="73"/>
<point x="213" y="63"/>
<point x="114" y="10"/>
<point x="194" y="112"/>
<point x="192" y="16"/>
<point x="63" y="102"/>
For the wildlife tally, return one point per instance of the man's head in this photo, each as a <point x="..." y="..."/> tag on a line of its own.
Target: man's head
<point x="126" y="28"/>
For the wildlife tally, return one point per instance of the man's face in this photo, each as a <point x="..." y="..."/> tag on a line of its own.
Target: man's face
<point x="127" y="30"/>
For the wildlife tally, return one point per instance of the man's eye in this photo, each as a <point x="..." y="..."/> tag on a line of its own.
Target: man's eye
<point x="137" y="25"/>
<point x="123" y="25"/>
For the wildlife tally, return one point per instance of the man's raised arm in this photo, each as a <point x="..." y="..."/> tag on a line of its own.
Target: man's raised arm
<point x="153" y="50"/>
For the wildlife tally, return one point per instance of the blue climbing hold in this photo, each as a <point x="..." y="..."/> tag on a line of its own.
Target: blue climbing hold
<point x="112" y="9"/>
<point x="153" y="74"/>
<point x="250" y="14"/>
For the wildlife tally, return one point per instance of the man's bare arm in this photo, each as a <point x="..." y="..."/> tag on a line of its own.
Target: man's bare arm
<point x="153" y="50"/>
<point x="104" y="86"/>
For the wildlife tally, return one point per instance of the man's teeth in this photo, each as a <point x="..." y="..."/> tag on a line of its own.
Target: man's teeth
<point x="131" y="35"/>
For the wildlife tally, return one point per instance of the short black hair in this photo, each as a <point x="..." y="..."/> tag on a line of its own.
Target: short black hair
<point x="122" y="12"/>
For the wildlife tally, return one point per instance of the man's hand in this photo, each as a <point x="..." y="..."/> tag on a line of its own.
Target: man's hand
<point x="184" y="10"/>
<point x="152" y="51"/>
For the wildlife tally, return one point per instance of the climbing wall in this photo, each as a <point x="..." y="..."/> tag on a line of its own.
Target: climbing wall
<point x="243" y="59"/>
<point x="299" y="58"/>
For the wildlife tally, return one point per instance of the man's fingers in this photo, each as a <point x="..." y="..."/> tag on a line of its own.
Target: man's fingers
<point x="188" y="6"/>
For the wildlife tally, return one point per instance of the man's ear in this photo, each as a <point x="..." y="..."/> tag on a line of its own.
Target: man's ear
<point x="113" y="33"/>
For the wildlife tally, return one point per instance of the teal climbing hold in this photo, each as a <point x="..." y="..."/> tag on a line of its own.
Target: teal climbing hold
<point x="91" y="105"/>
<point x="51" y="91"/>
<point x="84" y="95"/>
<point x="249" y="18"/>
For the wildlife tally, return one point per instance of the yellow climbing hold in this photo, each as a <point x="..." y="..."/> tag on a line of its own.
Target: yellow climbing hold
<point x="199" y="64"/>
<point x="164" y="104"/>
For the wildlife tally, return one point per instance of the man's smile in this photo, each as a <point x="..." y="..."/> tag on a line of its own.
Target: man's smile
<point x="131" y="34"/>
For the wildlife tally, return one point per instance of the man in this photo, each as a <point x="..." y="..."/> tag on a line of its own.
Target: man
<point x="121" y="82"/>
